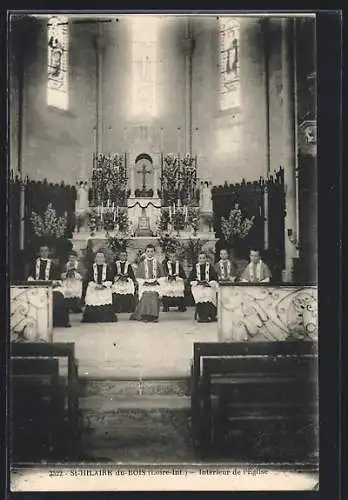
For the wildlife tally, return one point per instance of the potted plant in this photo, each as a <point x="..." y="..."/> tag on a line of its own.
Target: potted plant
<point x="168" y="243"/>
<point x="235" y="228"/>
<point x="51" y="230"/>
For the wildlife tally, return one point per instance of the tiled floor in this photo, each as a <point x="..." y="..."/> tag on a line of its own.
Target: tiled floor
<point x="137" y="350"/>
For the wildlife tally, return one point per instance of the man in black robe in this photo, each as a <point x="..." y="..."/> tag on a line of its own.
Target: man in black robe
<point x="203" y="281"/>
<point x="174" y="283"/>
<point x="124" y="287"/>
<point x="45" y="270"/>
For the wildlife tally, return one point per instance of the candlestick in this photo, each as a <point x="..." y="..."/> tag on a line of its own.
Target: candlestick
<point x="170" y="214"/>
<point x="173" y="208"/>
<point x="114" y="216"/>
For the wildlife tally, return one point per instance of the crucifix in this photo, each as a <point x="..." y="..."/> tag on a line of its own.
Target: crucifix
<point x="144" y="172"/>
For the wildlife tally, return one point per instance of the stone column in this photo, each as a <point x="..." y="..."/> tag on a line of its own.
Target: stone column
<point x="188" y="51"/>
<point x="289" y="155"/>
<point x="99" y="89"/>
<point x="132" y="181"/>
<point x="155" y="182"/>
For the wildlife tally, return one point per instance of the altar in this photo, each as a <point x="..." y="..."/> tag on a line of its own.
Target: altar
<point x="119" y="202"/>
<point x="267" y="312"/>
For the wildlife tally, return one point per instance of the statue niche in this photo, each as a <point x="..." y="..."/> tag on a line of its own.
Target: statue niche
<point x="144" y="172"/>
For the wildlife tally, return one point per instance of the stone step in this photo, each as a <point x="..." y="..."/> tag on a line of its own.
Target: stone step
<point x="111" y="388"/>
<point x="105" y="403"/>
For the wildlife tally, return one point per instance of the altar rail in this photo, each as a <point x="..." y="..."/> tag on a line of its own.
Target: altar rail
<point x="31" y="314"/>
<point x="267" y="312"/>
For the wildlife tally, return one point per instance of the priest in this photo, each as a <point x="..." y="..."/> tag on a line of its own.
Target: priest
<point x="149" y="275"/>
<point x="256" y="271"/>
<point x="173" y="283"/>
<point x="124" y="286"/>
<point x="226" y="270"/>
<point x="203" y="280"/>
<point x="98" y="300"/>
<point x="44" y="269"/>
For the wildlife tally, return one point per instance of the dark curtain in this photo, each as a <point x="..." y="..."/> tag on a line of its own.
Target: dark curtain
<point x="37" y="197"/>
<point x="250" y="196"/>
<point x="276" y="224"/>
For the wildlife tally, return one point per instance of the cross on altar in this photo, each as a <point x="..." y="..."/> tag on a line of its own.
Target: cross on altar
<point x="144" y="172"/>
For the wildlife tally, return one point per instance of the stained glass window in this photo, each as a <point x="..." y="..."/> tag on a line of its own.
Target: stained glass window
<point x="144" y="65"/>
<point x="229" y="28"/>
<point x="57" y="62"/>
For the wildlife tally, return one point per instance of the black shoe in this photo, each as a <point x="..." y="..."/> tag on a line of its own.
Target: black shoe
<point x="165" y="309"/>
<point x="182" y="309"/>
<point x="68" y="325"/>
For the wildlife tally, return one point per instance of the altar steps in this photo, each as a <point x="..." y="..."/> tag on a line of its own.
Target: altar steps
<point x="135" y="420"/>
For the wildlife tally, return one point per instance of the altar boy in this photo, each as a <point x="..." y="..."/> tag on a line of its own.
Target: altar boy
<point x="150" y="281"/>
<point x="225" y="269"/>
<point x="203" y="281"/>
<point x="123" y="289"/>
<point x="173" y="283"/>
<point x="256" y="271"/>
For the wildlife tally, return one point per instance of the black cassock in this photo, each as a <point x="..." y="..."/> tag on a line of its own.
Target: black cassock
<point x="124" y="288"/>
<point x="174" y="285"/>
<point x="204" y="296"/>
<point x="98" y="301"/>
<point x="39" y="273"/>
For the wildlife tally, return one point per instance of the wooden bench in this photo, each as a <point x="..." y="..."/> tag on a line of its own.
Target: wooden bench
<point x="44" y="404"/>
<point x="255" y="400"/>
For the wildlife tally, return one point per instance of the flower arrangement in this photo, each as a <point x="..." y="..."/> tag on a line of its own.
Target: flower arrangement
<point x="93" y="221"/>
<point x="109" y="173"/>
<point x="164" y="219"/>
<point x="236" y="226"/>
<point x="49" y="224"/>
<point x="188" y="161"/>
<point x="191" y="249"/>
<point x="193" y="217"/>
<point x="178" y="219"/>
<point x="168" y="243"/>
<point x="116" y="245"/>
<point x="122" y="220"/>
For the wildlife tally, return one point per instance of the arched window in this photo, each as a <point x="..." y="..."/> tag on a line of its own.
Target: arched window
<point x="229" y="29"/>
<point x="57" y="62"/>
<point x="144" y="65"/>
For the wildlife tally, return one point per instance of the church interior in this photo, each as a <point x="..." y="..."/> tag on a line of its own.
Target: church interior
<point x="185" y="135"/>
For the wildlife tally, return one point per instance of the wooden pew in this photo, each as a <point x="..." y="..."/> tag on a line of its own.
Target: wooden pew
<point x="34" y="408"/>
<point x="37" y="385"/>
<point x="258" y="397"/>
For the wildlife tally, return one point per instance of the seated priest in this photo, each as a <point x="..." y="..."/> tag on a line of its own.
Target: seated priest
<point x="173" y="283"/>
<point x="256" y="271"/>
<point x="149" y="276"/>
<point x="203" y="281"/>
<point x="225" y="268"/>
<point x="123" y="289"/>
<point x="72" y="283"/>
<point x="98" y="302"/>
<point x="45" y="270"/>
